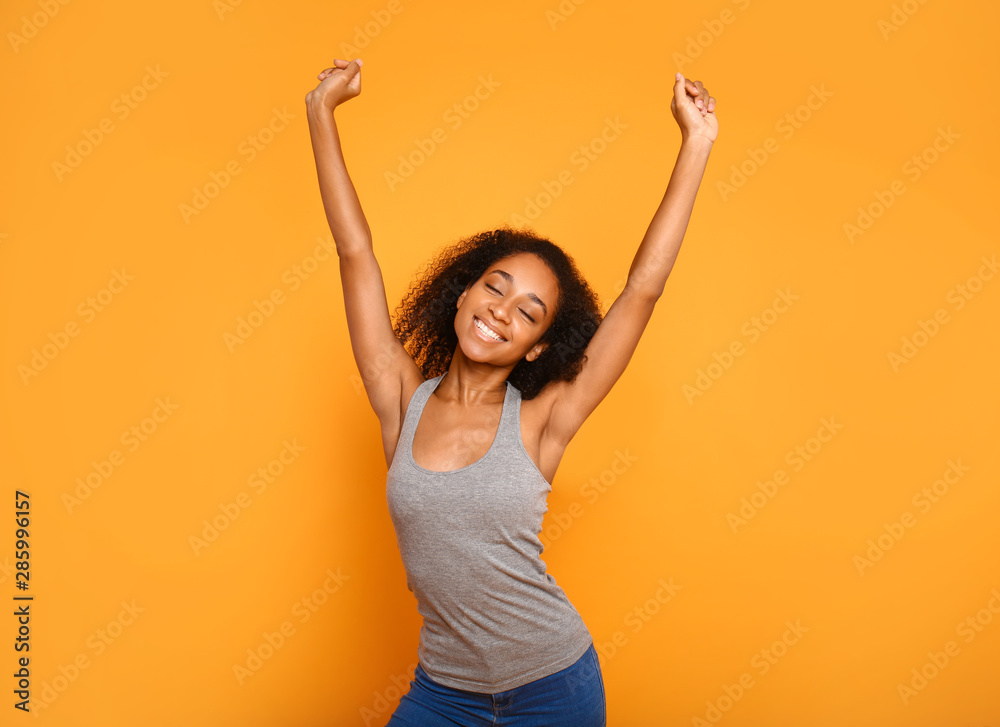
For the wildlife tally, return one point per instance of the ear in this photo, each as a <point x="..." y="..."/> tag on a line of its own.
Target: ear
<point x="536" y="351"/>
<point x="458" y="303"/>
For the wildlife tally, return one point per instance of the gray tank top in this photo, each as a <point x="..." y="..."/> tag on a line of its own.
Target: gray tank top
<point x="493" y="618"/>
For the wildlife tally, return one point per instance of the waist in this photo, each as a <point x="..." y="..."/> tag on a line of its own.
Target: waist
<point x="504" y="661"/>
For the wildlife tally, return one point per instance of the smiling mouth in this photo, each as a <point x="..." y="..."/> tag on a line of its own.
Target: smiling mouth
<point x="487" y="331"/>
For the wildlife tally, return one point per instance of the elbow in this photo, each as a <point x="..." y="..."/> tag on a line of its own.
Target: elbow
<point x="355" y="255"/>
<point x="644" y="290"/>
<point x="354" y="244"/>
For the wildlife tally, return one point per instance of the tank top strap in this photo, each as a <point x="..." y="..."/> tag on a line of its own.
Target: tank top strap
<point x="509" y="431"/>
<point x="506" y="442"/>
<point x="509" y="444"/>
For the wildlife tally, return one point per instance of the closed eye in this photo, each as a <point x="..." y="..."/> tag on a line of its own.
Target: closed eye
<point x="524" y="313"/>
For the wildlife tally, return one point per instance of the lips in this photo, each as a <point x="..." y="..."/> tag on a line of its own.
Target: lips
<point x="476" y="321"/>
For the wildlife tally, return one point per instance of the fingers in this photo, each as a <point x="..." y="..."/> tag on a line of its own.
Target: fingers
<point x="702" y="100"/>
<point x="340" y="65"/>
<point x="705" y="101"/>
<point x="700" y="95"/>
<point x="695" y="88"/>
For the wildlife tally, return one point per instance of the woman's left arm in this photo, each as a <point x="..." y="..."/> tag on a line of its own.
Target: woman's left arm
<point x="615" y="340"/>
<point x="658" y="250"/>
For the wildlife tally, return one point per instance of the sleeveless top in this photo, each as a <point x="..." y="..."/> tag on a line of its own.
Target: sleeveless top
<point x="493" y="618"/>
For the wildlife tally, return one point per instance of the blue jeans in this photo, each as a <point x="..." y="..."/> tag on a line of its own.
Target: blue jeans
<point x="572" y="697"/>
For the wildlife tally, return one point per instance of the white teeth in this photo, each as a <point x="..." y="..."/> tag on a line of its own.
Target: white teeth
<point x="485" y="329"/>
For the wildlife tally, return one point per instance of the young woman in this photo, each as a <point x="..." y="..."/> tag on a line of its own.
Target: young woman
<point x="498" y="356"/>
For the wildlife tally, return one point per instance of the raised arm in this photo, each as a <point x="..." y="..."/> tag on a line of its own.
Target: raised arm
<point x="615" y="340"/>
<point x="380" y="357"/>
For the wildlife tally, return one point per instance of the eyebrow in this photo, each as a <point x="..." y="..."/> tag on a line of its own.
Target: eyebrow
<point x="510" y="279"/>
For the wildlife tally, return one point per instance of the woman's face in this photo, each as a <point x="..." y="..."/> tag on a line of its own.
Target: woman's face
<point x="515" y="298"/>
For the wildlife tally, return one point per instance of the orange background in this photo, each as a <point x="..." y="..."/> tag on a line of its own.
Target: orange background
<point x="563" y="69"/>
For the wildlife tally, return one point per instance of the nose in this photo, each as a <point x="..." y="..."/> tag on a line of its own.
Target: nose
<point x="499" y="310"/>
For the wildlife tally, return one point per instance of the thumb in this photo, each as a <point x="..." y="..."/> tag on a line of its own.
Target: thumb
<point x="352" y="68"/>
<point x="680" y="92"/>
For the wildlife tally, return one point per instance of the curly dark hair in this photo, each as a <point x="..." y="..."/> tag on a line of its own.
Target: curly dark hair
<point x="425" y="319"/>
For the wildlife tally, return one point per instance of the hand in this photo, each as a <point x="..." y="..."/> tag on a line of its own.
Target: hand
<point x="694" y="109"/>
<point x="336" y="85"/>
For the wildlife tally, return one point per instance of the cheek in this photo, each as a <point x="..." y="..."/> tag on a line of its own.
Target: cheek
<point x="532" y="335"/>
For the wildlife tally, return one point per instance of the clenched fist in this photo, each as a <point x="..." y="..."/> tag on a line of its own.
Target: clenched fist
<point x="336" y="85"/>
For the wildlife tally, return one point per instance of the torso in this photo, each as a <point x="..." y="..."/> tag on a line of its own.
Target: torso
<point x="447" y="439"/>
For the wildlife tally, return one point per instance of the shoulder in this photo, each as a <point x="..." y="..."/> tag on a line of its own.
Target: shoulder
<point x="408" y="387"/>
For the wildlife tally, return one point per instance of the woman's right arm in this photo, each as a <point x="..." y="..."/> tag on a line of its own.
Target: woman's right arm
<point x="380" y="357"/>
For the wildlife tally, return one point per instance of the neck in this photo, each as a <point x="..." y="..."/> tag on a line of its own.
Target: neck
<point x="473" y="385"/>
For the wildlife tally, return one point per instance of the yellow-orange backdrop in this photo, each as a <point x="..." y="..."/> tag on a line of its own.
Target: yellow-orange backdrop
<point x="784" y="513"/>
